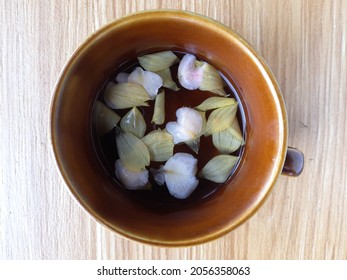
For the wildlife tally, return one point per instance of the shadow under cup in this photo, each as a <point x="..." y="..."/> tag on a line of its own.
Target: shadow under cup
<point x="93" y="64"/>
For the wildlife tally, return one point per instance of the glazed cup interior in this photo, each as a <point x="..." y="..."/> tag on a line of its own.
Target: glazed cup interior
<point x="266" y="130"/>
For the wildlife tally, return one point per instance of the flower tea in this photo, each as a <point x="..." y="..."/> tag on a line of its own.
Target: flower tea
<point x="172" y="110"/>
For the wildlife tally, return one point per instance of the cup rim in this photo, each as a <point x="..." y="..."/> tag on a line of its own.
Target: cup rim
<point x="256" y="57"/>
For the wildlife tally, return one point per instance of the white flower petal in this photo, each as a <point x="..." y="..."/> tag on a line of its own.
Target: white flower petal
<point x="181" y="164"/>
<point x="190" y="120"/>
<point x="131" y="180"/>
<point x="178" y="133"/>
<point x="180" y="186"/>
<point x="122" y="77"/>
<point x="188" y="126"/>
<point x="136" y="76"/>
<point x="189" y="76"/>
<point x="149" y="80"/>
<point x="180" y="172"/>
<point x="159" y="175"/>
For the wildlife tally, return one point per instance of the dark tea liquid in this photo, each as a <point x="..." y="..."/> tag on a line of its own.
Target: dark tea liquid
<point x="159" y="197"/>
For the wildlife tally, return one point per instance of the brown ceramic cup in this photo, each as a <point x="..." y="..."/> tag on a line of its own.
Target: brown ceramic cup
<point x="265" y="155"/>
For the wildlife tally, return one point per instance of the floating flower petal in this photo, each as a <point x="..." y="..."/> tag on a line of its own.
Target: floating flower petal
<point x="220" y="119"/>
<point x="131" y="180"/>
<point x="122" y="77"/>
<point x="149" y="80"/>
<point x="189" y="76"/>
<point x="159" y="109"/>
<point x="160" y="145"/>
<point x="104" y="118"/>
<point x="134" y="123"/>
<point x="215" y="102"/>
<point x="158" y="61"/>
<point x="132" y="151"/>
<point x="168" y="82"/>
<point x="219" y="168"/>
<point x="179" y="175"/>
<point x="125" y="95"/>
<point x="228" y="140"/>
<point x="188" y="126"/>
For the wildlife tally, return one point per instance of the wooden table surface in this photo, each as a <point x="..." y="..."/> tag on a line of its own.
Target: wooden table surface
<point x="305" y="44"/>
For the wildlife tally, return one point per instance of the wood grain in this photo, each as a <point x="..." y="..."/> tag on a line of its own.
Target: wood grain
<point x="304" y="43"/>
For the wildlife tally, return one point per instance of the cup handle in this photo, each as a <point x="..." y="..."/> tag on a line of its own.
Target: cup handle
<point x="294" y="163"/>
